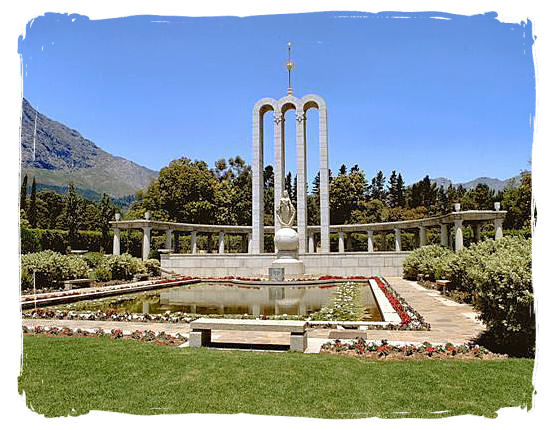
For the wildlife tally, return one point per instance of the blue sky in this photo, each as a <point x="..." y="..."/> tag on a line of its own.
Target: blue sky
<point x="450" y="96"/>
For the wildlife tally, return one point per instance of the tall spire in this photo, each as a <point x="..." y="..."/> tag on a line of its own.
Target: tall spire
<point x="289" y="67"/>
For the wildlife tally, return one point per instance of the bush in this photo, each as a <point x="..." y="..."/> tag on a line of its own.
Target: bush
<point x="121" y="267"/>
<point x="503" y="294"/>
<point x="29" y="240"/>
<point x="152" y="266"/>
<point x="93" y="259"/>
<point x="50" y="269"/>
<point x="431" y="260"/>
<point x="496" y="276"/>
<point x="102" y="273"/>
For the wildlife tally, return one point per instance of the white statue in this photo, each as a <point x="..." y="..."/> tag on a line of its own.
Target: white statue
<point x="285" y="211"/>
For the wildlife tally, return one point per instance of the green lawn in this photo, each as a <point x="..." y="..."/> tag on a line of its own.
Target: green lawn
<point x="71" y="376"/>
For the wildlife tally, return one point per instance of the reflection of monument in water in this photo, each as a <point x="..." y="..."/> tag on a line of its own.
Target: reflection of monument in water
<point x="257" y="300"/>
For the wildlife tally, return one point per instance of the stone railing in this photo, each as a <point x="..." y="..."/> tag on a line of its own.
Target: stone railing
<point x="454" y="219"/>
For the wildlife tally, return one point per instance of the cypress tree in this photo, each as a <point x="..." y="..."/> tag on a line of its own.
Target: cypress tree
<point x="400" y="191"/>
<point x="23" y="195"/>
<point x="32" y="205"/>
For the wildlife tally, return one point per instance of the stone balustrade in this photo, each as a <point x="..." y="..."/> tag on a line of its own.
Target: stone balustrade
<point x="455" y="219"/>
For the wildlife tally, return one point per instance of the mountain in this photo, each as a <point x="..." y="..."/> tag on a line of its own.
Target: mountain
<point x="62" y="155"/>
<point x="493" y="183"/>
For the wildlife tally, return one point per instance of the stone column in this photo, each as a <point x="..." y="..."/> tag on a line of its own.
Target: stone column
<point x="323" y="176"/>
<point x="341" y="247"/>
<point x="249" y="238"/>
<point x="146" y="246"/>
<point x="311" y="243"/>
<point x="477" y="231"/>
<point x="459" y="242"/>
<point x="422" y="236"/>
<point x="257" y="182"/>
<point x="444" y="235"/>
<point x="301" y="180"/>
<point x="397" y="240"/>
<point x="498" y="228"/>
<point x="370" y="241"/>
<point x="278" y="161"/>
<point x="116" y="241"/>
<point x="193" y="242"/>
<point x="168" y="240"/>
<point x="221" y="248"/>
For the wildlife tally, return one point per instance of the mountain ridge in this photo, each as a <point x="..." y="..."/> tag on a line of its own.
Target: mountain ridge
<point x="62" y="155"/>
<point x="493" y="183"/>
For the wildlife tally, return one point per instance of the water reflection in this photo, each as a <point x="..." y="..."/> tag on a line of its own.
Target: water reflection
<point x="230" y="299"/>
<point x="264" y="300"/>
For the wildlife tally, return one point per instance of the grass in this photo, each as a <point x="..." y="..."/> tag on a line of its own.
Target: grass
<point x="70" y="376"/>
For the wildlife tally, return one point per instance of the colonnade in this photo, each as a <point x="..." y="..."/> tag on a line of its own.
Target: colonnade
<point x="449" y="223"/>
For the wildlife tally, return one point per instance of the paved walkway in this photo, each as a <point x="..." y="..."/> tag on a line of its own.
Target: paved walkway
<point x="450" y="322"/>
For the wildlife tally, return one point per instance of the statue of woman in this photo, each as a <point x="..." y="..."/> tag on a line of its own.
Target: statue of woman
<point x="285" y="211"/>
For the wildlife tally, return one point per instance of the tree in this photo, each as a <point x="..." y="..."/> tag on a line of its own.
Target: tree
<point x="482" y="197"/>
<point x="73" y="212"/>
<point x="516" y="201"/>
<point x="23" y="195"/>
<point x="50" y="206"/>
<point x="400" y="192"/>
<point x="377" y="186"/>
<point x="392" y="191"/>
<point x="288" y="185"/>
<point x="32" y="205"/>
<point x="106" y="213"/>
<point x="346" y="194"/>
<point x="183" y="192"/>
<point x="343" y="170"/>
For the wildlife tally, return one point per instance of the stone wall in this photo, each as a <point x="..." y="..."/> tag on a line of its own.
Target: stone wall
<point x="340" y="264"/>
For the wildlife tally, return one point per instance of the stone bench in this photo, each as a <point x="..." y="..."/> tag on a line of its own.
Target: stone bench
<point x="77" y="283"/>
<point x="201" y="330"/>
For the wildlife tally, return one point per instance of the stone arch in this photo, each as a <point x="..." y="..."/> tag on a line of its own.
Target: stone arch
<point x="262" y="106"/>
<point x="279" y="107"/>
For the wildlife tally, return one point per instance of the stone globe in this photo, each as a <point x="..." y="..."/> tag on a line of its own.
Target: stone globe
<point x="286" y="239"/>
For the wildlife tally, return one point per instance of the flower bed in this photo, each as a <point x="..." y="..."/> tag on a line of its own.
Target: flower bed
<point x="161" y="338"/>
<point x="410" y="318"/>
<point x="344" y="306"/>
<point x="382" y="350"/>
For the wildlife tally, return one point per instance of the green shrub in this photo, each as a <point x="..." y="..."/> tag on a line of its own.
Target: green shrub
<point x="503" y="287"/>
<point x="496" y="276"/>
<point x="93" y="259"/>
<point x="122" y="267"/>
<point x="29" y="240"/>
<point x="50" y="269"/>
<point x="152" y="266"/>
<point x="431" y="260"/>
<point x="102" y="273"/>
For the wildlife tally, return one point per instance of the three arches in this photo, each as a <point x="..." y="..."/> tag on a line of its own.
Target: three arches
<point x="279" y="107"/>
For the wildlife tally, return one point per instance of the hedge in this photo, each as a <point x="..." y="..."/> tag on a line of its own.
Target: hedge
<point x="34" y="240"/>
<point x="50" y="269"/>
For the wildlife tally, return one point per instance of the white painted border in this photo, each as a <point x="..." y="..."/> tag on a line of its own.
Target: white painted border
<point x="16" y="16"/>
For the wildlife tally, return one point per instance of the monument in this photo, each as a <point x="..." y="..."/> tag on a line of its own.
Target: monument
<point x="280" y="107"/>
<point x="286" y="239"/>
